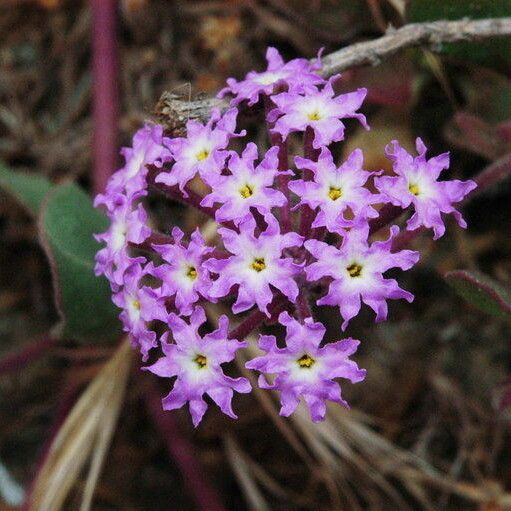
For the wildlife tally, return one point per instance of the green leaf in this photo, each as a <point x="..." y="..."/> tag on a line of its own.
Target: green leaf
<point x="481" y="291"/>
<point x="66" y="226"/>
<point x="28" y="189"/>
<point x="480" y="52"/>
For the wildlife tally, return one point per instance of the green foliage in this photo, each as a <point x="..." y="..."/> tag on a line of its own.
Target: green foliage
<point x="481" y="291"/>
<point x="487" y="53"/>
<point x="67" y="224"/>
<point x="28" y="189"/>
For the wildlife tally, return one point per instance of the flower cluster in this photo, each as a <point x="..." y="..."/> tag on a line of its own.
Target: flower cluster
<point x="285" y="229"/>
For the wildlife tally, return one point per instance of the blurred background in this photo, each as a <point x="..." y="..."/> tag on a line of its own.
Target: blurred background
<point x="429" y="428"/>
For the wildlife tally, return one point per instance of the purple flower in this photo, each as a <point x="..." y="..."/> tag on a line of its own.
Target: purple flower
<point x="246" y="186"/>
<point x="128" y="224"/>
<point x="147" y="149"/>
<point x="357" y="271"/>
<point x="140" y="304"/>
<point x="319" y="110"/>
<point x="183" y="275"/>
<point x="257" y="263"/>
<point x="297" y="74"/>
<point x="335" y="190"/>
<point x="305" y="369"/>
<point x="202" y="150"/>
<point x="196" y="362"/>
<point x="416" y="183"/>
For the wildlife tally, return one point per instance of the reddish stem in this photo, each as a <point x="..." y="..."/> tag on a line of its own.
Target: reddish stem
<point x="302" y="304"/>
<point x="29" y="353"/>
<point x="105" y="92"/>
<point x="387" y="214"/>
<point x="257" y="318"/>
<point x="306" y="213"/>
<point x="181" y="451"/>
<point x="282" y="180"/>
<point x="282" y="183"/>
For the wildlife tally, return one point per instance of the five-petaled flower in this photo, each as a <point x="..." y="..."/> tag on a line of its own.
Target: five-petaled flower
<point x="336" y="190"/>
<point x="416" y="183"/>
<point x="202" y="151"/>
<point x="357" y="269"/>
<point x="141" y="305"/>
<point x="304" y="368"/>
<point x="319" y="110"/>
<point x="196" y="362"/>
<point x="183" y="274"/>
<point x="296" y="75"/>
<point x="246" y="187"/>
<point x="257" y="263"/>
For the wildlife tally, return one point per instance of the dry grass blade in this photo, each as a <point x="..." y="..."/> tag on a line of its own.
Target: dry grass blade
<point x="245" y="478"/>
<point x="88" y="429"/>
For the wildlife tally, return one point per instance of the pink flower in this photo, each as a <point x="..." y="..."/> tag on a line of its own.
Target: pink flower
<point x="141" y="305"/>
<point x="297" y="74"/>
<point x="357" y="271"/>
<point x="257" y="264"/>
<point x="196" y="362"/>
<point x="319" y="110"/>
<point x="416" y="183"/>
<point x="246" y="187"/>
<point x="201" y="151"/>
<point x="131" y="179"/>
<point x="335" y="190"/>
<point x="128" y="224"/>
<point x="184" y="276"/>
<point x="305" y="369"/>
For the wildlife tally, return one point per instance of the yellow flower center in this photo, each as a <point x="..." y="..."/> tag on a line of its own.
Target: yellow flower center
<point x="305" y="361"/>
<point x="413" y="188"/>
<point x="246" y="192"/>
<point x="314" y="116"/>
<point x="202" y="155"/>
<point x="354" y="270"/>
<point x="334" y="193"/>
<point x="191" y="273"/>
<point x="201" y="361"/>
<point x="258" y="264"/>
<point x="136" y="304"/>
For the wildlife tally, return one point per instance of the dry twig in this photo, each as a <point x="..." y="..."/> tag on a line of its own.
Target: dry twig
<point x="174" y="112"/>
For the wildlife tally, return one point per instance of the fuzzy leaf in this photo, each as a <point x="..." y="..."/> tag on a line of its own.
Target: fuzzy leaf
<point x="66" y="226"/>
<point x="28" y="189"/>
<point x="481" y="291"/>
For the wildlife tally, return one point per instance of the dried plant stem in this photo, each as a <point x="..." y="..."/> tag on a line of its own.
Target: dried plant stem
<point x="430" y="34"/>
<point x="87" y="430"/>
